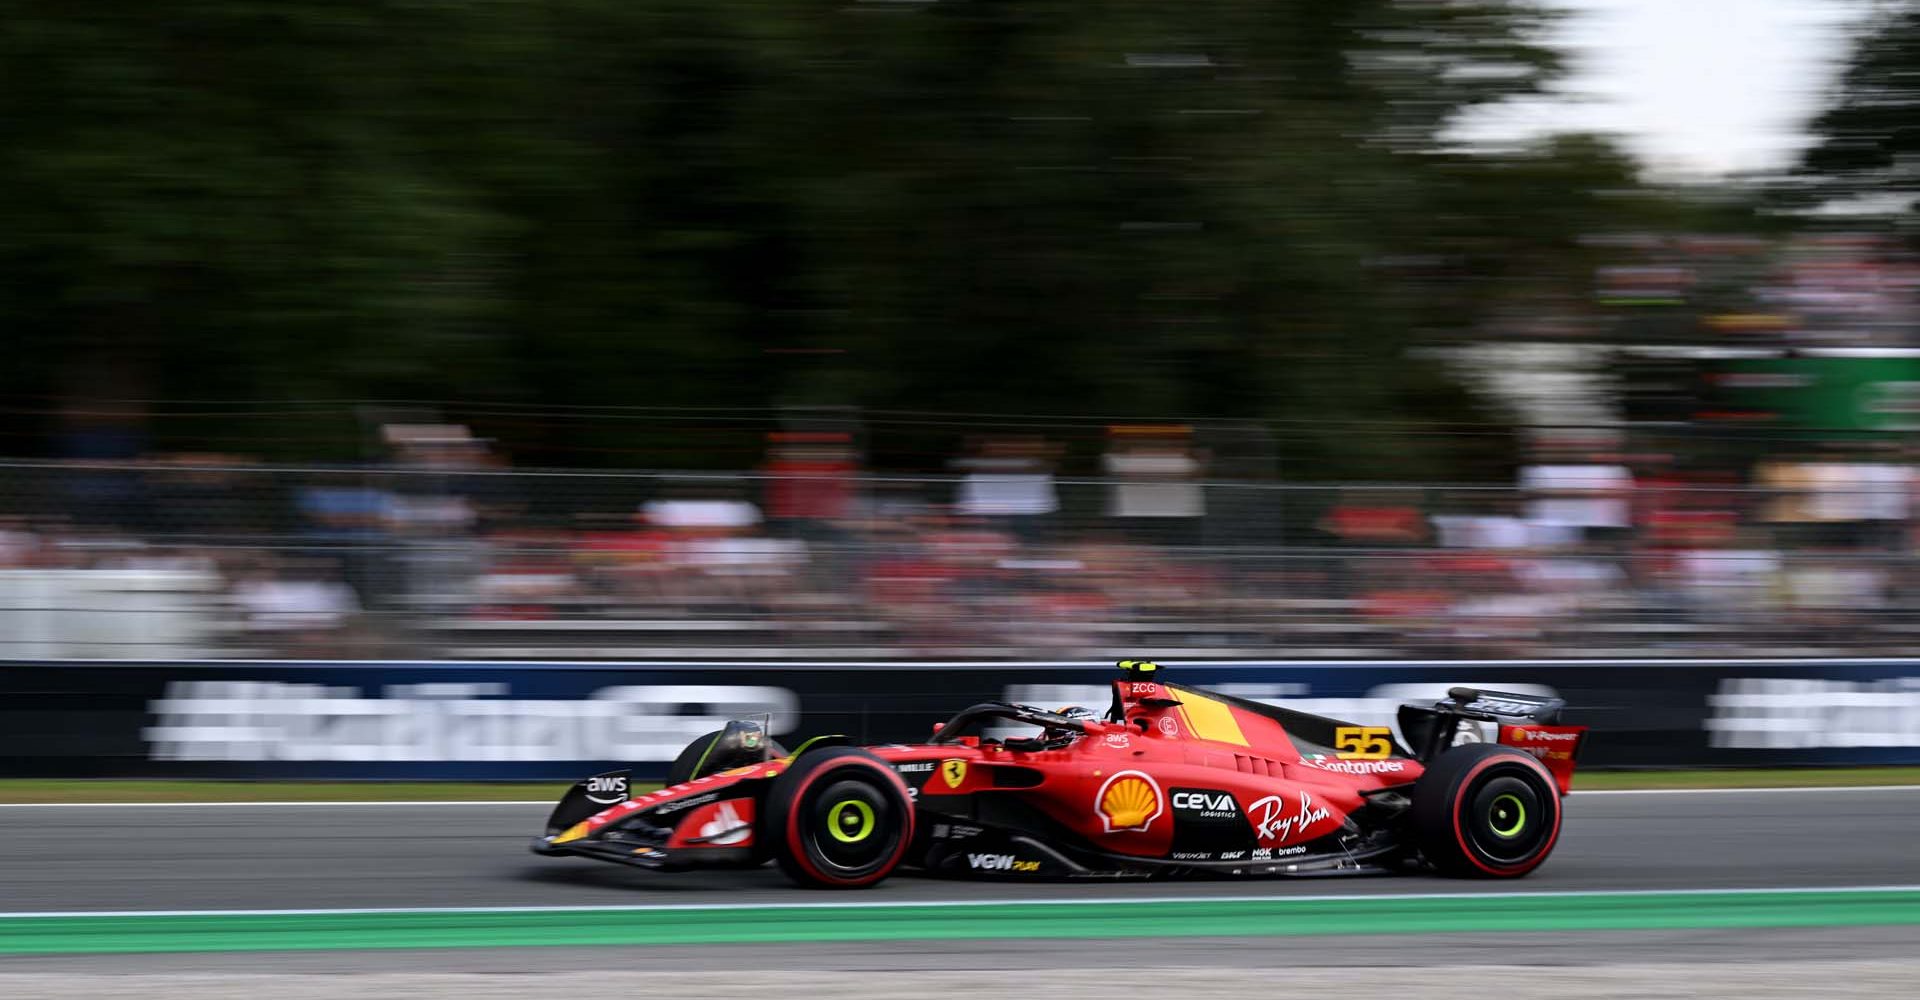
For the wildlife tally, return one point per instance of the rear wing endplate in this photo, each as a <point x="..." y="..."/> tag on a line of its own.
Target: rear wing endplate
<point x="1431" y="729"/>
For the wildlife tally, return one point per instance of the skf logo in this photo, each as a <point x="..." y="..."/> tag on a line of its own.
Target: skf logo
<point x="953" y="772"/>
<point x="1130" y="800"/>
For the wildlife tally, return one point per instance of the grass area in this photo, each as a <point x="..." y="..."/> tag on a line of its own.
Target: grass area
<point x="107" y="790"/>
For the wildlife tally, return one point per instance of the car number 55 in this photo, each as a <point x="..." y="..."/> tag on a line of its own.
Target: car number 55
<point x="1363" y="742"/>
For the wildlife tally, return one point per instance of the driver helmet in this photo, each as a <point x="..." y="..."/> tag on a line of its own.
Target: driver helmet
<point x="1065" y="736"/>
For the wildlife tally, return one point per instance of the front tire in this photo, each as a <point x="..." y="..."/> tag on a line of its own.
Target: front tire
<point x="1486" y="811"/>
<point x="839" y="818"/>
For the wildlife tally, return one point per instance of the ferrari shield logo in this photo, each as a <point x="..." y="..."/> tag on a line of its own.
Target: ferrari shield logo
<point x="953" y="772"/>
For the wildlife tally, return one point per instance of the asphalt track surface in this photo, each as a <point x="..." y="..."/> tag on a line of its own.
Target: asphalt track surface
<point x="332" y="855"/>
<point x="325" y="856"/>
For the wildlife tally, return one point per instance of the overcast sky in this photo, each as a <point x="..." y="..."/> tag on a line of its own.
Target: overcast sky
<point x="1694" y="86"/>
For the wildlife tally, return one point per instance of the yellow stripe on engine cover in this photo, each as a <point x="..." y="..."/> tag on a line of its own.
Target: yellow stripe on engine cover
<point x="1210" y="719"/>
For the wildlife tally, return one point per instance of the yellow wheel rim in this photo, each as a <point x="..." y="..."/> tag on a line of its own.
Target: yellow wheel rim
<point x="851" y="821"/>
<point x="1511" y="807"/>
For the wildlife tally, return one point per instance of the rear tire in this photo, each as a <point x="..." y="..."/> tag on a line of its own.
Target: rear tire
<point x="1486" y="811"/>
<point x="839" y="818"/>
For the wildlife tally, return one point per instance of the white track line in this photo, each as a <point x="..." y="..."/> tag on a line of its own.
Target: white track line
<point x="929" y="904"/>
<point x="389" y="803"/>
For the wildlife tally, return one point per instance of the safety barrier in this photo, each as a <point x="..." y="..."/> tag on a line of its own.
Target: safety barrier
<point x="454" y="720"/>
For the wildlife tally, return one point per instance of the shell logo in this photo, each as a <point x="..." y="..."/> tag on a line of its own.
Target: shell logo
<point x="1130" y="800"/>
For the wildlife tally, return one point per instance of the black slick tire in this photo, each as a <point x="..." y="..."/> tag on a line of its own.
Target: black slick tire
<point x="839" y="818"/>
<point x="1486" y="811"/>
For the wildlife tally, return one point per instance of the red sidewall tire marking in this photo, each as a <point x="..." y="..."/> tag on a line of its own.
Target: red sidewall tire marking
<point x="1460" y="833"/>
<point x="797" y="846"/>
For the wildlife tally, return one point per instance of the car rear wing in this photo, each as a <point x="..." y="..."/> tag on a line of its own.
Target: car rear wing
<point x="1526" y="722"/>
<point x="1431" y="729"/>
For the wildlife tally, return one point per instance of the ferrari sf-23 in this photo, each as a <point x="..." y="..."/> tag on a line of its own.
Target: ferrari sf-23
<point x="1172" y="781"/>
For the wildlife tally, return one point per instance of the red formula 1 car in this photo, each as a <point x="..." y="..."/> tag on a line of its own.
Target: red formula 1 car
<point x="1173" y="781"/>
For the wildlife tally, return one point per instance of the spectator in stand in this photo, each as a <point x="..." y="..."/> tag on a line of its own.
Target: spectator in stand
<point x="529" y="573"/>
<point x="1155" y="492"/>
<point x="1377" y="518"/>
<point x="1499" y="527"/>
<point x="1580" y="488"/>
<point x="810" y="481"/>
<point x="348" y="521"/>
<point x="433" y="510"/>
<point x="1822" y="502"/>
<point x="300" y="608"/>
<point x="103" y="438"/>
<point x="1010" y="479"/>
<point x="19" y="544"/>
<point x="1732" y="582"/>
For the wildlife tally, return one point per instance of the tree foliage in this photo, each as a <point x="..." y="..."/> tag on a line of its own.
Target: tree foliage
<point x="1198" y="209"/>
<point x="1868" y="137"/>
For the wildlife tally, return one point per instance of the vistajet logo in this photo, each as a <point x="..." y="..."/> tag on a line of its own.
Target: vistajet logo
<point x="270" y="720"/>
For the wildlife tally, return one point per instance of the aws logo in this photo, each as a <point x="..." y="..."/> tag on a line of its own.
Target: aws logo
<point x="1130" y="800"/>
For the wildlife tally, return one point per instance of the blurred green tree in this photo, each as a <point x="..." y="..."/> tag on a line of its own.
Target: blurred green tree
<point x="1213" y="209"/>
<point x="1867" y="138"/>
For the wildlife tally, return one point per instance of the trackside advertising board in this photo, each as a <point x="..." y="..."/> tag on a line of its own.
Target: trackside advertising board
<point x="439" y="720"/>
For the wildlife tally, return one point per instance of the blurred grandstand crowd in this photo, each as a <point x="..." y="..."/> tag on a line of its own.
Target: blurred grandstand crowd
<point x="1590" y="552"/>
<point x="1756" y="494"/>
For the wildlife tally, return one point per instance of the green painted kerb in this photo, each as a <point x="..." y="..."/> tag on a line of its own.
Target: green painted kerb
<point x="757" y="924"/>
